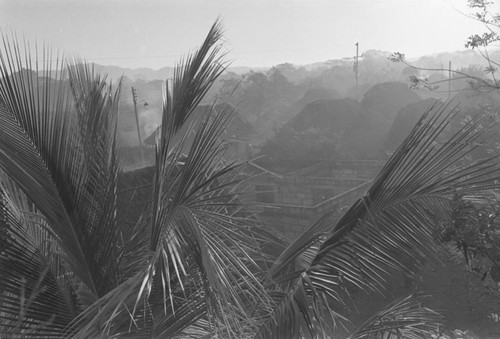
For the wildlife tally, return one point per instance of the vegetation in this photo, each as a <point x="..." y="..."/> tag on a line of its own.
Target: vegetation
<point x="310" y="145"/>
<point x="197" y="262"/>
<point x="487" y="78"/>
<point x="475" y="233"/>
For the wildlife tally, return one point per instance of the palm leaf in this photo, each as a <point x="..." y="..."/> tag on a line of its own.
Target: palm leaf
<point x="30" y="106"/>
<point x="299" y="254"/>
<point x="391" y="225"/>
<point x="403" y="318"/>
<point x="36" y="295"/>
<point x="188" y="259"/>
<point x="200" y="266"/>
<point x="97" y="111"/>
<point x="59" y="149"/>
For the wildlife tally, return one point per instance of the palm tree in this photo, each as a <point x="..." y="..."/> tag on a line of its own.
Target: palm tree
<point x="195" y="263"/>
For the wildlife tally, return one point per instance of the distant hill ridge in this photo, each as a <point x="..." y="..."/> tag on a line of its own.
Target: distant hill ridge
<point x="148" y="74"/>
<point x="457" y="58"/>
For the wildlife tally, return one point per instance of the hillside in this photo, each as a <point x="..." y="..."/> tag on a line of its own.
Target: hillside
<point x="238" y="129"/>
<point x="405" y="120"/>
<point x="388" y="98"/>
<point x="339" y="128"/>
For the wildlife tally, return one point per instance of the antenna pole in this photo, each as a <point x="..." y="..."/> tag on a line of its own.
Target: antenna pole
<point x="356" y="63"/>
<point x="134" y="97"/>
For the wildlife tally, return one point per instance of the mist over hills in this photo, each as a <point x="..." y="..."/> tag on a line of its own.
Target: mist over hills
<point x="348" y="128"/>
<point x="457" y="58"/>
<point x="313" y="111"/>
<point x="148" y="74"/>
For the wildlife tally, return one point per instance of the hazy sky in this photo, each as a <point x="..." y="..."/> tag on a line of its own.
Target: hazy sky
<point x="154" y="33"/>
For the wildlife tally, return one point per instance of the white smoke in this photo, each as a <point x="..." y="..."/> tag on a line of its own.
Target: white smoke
<point x="149" y="120"/>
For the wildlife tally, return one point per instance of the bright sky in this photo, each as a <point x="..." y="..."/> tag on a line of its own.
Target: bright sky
<point x="155" y="33"/>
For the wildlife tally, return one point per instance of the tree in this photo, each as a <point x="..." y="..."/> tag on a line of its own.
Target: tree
<point x="484" y="13"/>
<point x="196" y="263"/>
<point x="68" y="267"/>
<point x="308" y="146"/>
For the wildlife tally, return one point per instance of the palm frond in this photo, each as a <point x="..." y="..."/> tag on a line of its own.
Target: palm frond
<point x="299" y="254"/>
<point x="192" y="79"/>
<point x="96" y="106"/>
<point x="392" y="224"/>
<point x="195" y="221"/>
<point x="189" y="258"/>
<point x="36" y="296"/>
<point x="59" y="149"/>
<point x="36" y="142"/>
<point x="403" y="318"/>
<point x="200" y="268"/>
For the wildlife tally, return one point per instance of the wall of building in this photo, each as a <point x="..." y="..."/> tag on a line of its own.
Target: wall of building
<point x="293" y="201"/>
<point x="291" y="220"/>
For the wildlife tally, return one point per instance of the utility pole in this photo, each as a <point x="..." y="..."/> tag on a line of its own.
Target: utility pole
<point x="134" y="98"/>
<point x="356" y="59"/>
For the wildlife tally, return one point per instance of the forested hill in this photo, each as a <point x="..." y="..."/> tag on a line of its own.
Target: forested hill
<point x="274" y="99"/>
